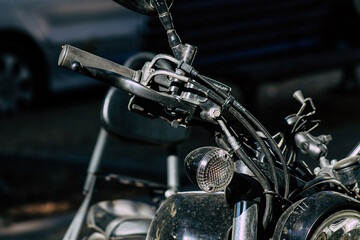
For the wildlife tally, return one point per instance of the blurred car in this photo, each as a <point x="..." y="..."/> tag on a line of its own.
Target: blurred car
<point x="246" y="42"/>
<point x="249" y="42"/>
<point x="33" y="31"/>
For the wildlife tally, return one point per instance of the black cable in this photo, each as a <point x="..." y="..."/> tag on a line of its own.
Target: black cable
<point x="263" y="182"/>
<point x="275" y="148"/>
<point x="212" y="95"/>
<point x="253" y="168"/>
<point x="194" y="73"/>
<point x="246" y="125"/>
<point x="259" y="126"/>
<point x="210" y="85"/>
<point x="257" y="172"/>
<point x="257" y="138"/>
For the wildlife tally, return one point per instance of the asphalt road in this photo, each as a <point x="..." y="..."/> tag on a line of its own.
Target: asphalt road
<point x="44" y="152"/>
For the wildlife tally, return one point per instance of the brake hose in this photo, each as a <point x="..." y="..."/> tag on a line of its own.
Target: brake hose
<point x="253" y="133"/>
<point x="220" y="101"/>
<point x="246" y="125"/>
<point x="239" y="152"/>
<point x="258" y="125"/>
<point x="263" y="182"/>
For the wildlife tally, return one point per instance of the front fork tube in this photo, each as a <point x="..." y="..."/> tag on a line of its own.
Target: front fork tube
<point x="245" y="221"/>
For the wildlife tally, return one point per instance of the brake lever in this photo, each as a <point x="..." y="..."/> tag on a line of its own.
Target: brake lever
<point x="167" y="101"/>
<point x="131" y="86"/>
<point x="174" y="108"/>
<point x="70" y="54"/>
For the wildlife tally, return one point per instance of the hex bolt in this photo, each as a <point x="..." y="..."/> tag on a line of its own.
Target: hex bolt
<point x="215" y="113"/>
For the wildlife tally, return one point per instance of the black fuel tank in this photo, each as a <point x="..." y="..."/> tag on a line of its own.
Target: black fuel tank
<point x="192" y="215"/>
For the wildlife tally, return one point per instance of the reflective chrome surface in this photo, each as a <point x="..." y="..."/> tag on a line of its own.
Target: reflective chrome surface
<point x="120" y="218"/>
<point x="192" y="215"/>
<point x="141" y="6"/>
<point x="342" y="225"/>
<point x="323" y="215"/>
<point x="245" y="221"/>
<point x="356" y="150"/>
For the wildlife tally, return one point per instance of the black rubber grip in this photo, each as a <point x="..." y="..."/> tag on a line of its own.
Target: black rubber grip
<point x="70" y="54"/>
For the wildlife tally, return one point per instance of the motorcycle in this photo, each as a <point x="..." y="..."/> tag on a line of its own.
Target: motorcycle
<point x="253" y="186"/>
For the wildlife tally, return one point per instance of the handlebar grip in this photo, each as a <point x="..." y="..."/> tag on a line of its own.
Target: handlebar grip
<point x="70" y="54"/>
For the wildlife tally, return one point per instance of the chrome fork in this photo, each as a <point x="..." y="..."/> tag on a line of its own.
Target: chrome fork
<point x="245" y="221"/>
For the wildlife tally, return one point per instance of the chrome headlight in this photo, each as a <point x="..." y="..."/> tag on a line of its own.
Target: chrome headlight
<point x="211" y="168"/>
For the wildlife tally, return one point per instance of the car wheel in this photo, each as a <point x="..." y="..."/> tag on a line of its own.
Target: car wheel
<point x="16" y="77"/>
<point x="23" y="75"/>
